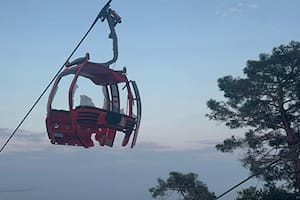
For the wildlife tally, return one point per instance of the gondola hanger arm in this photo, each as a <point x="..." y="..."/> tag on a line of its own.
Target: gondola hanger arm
<point x="112" y="19"/>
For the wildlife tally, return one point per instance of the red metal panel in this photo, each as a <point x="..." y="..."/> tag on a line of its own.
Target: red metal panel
<point x="60" y="129"/>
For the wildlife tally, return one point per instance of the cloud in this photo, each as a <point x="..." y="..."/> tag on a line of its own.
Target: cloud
<point x="27" y="141"/>
<point x="151" y="146"/>
<point x="14" y="190"/>
<point x="237" y="8"/>
<point x="185" y="145"/>
<point x="23" y="141"/>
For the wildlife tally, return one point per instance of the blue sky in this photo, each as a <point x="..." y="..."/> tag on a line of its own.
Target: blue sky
<point x="175" y="50"/>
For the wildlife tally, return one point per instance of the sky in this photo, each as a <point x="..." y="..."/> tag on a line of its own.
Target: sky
<point x="175" y="50"/>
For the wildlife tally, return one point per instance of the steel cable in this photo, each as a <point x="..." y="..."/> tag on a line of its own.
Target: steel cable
<point x="295" y="148"/>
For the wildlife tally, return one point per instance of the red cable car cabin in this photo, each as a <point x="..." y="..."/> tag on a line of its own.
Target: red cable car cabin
<point x="75" y="124"/>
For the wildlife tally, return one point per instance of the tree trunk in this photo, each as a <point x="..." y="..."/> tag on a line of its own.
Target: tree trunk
<point x="292" y="143"/>
<point x="297" y="173"/>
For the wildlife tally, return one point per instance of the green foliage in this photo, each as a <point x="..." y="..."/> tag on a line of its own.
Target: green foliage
<point x="267" y="193"/>
<point x="185" y="185"/>
<point x="229" y="144"/>
<point x="250" y="193"/>
<point x="265" y="103"/>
